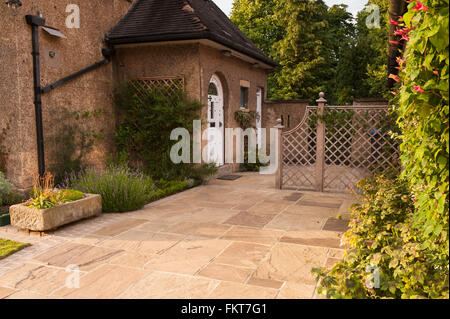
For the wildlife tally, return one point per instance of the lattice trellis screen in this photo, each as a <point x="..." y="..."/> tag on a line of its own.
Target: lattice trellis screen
<point x="299" y="154"/>
<point x="356" y="144"/>
<point x="167" y="85"/>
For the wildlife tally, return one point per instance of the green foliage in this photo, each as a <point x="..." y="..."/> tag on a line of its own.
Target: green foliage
<point x="12" y="198"/>
<point x="122" y="189"/>
<point x="382" y="234"/>
<point x="147" y="120"/>
<point x="5" y="188"/>
<point x="167" y="188"/>
<point x="43" y="200"/>
<point x="71" y="195"/>
<point x="245" y="118"/>
<point x="72" y="141"/>
<point x="257" y="20"/>
<point x="319" y="48"/>
<point x="302" y="52"/>
<point x="251" y="167"/>
<point x="402" y="226"/>
<point x="423" y="119"/>
<point x="370" y="54"/>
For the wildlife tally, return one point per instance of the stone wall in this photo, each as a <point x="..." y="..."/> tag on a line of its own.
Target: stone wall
<point x="87" y="93"/>
<point x="291" y="111"/>
<point x="159" y="60"/>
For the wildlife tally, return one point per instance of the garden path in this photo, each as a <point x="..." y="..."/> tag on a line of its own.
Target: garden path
<point x="226" y="239"/>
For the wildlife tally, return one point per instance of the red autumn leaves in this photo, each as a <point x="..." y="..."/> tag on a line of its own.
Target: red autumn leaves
<point x="402" y="32"/>
<point x="420" y="7"/>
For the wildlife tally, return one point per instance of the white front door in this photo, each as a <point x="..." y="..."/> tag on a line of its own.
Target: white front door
<point x="215" y="122"/>
<point x="259" y="97"/>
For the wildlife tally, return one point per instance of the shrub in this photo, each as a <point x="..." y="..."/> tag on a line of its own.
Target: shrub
<point x="148" y="118"/>
<point x="246" y="118"/>
<point x="122" y="189"/>
<point x="408" y="240"/>
<point x="5" y="188"/>
<point x="12" y="198"/>
<point x="251" y="167"/>
<point x="382" y="234"/>
<point x="167" y="188"/>
<point x="423" y="109"/>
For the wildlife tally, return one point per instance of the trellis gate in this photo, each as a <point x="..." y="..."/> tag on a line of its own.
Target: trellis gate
<point x="320" y="157"/>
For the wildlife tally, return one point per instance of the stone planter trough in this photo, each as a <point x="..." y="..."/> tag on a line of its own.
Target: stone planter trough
<point x="54" y="217"/>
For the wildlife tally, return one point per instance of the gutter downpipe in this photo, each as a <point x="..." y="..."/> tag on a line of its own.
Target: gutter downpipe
<point x="35" y="22"/>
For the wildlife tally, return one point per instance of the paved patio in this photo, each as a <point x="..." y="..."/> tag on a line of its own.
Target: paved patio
<point x="227" y="239"/>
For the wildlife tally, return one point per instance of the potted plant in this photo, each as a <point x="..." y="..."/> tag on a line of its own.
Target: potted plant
<point x="49" y="208"/>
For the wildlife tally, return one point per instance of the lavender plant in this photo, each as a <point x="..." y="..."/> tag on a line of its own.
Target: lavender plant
<point x="122" y="189"/>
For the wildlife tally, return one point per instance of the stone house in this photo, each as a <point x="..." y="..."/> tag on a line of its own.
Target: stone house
<point x="190" y="41"/>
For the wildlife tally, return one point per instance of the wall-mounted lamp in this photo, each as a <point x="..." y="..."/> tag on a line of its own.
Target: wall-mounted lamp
<point x="53" y="32"/>
<point x="14" y="3"/>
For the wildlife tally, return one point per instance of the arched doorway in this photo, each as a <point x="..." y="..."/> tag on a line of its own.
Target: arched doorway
<point x="215" y="122"/>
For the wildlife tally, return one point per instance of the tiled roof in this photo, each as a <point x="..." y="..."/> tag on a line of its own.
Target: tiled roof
<point x="171" y="20"/>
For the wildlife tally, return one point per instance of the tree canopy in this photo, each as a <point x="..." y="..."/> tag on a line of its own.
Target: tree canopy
<point x="319" y="48"/>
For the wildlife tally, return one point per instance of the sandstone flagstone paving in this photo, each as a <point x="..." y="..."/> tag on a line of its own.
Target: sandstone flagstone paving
<point x="226" y="272"/>
<point x="290" y="262"/>
<point x="253" y="235"/>
<point x="250" y="219"/>
<point x="333" y="224"/>
<point x="227" y="239"/>
<point x="106" y="282"/>
<point x="119" y="227"/>
<point x="143" y="242"/>
<point x="269" y="283"/>
<point x="161" y="285"/>
<point x="296" y="221"/>
<point x="293" y="290"/>
<point x="5" y="292"/>
<point x="86" y="257"/>
<point x="187" y="257"/>
<point x="198" y="229"/>
<point x="313" y="238"/>
<point x="243" y="254"/>
<point x="34" y="278"/>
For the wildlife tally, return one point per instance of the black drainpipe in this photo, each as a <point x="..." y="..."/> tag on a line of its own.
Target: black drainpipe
<point x="36" y="22"/>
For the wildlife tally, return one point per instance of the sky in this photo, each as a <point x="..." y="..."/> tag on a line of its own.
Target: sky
<point x="353" y="5"/>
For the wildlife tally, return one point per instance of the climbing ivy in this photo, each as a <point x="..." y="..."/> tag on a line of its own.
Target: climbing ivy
<point x="401" y="229"/>
<point x="246" y="118"/>
<point x="423" y="110"/>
